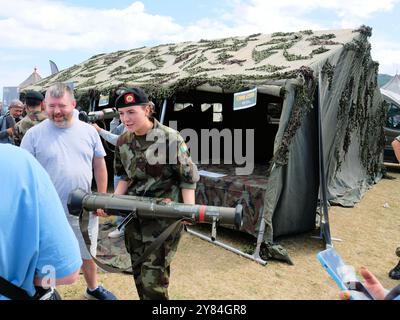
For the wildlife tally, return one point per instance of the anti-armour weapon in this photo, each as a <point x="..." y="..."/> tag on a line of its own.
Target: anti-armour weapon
<point x="145" y="207"/>
<point x="93" y="116"/>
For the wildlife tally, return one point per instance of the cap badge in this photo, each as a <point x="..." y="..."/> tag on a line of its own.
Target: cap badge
<point x="129" y="98"/>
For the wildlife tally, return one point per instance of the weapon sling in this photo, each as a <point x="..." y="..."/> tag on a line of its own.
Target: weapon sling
<point x="170" y="230"/>
<point x="14" y="292"/>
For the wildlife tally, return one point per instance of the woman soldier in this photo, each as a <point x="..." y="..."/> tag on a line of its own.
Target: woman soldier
<point x="152" y="161"/>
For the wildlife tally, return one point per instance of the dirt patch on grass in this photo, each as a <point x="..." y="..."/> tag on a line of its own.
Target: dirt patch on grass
<point x="370" y="233"/>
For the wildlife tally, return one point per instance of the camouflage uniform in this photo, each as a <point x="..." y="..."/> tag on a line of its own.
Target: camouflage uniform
<point x="395" y="272"/>
<point x="30" y="120"/>
<point x="159" y="180"/>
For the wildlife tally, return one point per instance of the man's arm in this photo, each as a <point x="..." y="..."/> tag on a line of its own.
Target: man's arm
<point x="106" y="135"/>
<point x="69" y="279"/>
<point x="100" y="174"/>
<point x="114" y="124"/>
<point x="109" y="137"/>
<point x="118" y="130"/>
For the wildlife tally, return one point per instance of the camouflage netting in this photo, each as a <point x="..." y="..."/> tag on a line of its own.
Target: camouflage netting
<point x="353" y="115"/>
<point x="352" y="109"/>
<point x="230" y="64"/>
<point x="354" y="128"/>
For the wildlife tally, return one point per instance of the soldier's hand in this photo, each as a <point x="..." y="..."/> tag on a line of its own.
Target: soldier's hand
<point x="187" y="222"/>
<point x="101" y="213"/>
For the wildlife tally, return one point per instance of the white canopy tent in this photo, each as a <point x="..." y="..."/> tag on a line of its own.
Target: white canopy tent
<point x="391" y="90"/>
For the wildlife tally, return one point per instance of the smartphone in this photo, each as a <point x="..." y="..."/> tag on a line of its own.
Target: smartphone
<point x="344" y="275"/>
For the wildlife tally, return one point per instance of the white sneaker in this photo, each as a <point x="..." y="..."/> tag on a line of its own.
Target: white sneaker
<point x="115" y="234"/>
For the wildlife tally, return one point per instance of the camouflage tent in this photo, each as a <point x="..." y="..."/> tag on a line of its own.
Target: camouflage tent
<point x="290" y="71"/>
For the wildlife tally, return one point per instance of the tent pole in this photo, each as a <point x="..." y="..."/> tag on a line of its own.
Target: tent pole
<point x="324" y="225"/>
<point x="92" y="104"/>
<point x="260" y="239"/>
<point x="227" y="247"/>
<point x="163" y="110"/>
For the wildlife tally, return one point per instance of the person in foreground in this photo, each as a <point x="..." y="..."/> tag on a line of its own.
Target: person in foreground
<point x="38" y="248"/>
<point x="71" y="152"/>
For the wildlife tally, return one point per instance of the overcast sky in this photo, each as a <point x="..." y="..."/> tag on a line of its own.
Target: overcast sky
<point x="70" y="31"/>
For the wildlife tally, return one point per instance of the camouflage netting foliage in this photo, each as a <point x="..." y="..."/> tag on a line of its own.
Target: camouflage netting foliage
<point x="335" y="65"/>
<point x="352" y="115"/>
<point x="304" y="94"/>
<point x="360" y="118"/>
<point x="231" y="63"/>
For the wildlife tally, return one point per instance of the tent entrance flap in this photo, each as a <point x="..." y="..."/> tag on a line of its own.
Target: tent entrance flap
<point x="232" y="150"/>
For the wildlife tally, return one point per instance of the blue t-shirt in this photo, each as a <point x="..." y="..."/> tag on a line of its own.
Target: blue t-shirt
<point x="35" y="236"/>
<point x="66" y="154"/>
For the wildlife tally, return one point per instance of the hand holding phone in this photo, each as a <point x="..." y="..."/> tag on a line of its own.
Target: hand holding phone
<point x="344" y="275"/>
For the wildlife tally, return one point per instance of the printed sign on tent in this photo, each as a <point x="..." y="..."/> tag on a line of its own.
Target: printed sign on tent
<point x="104" y="100"/>
<point x="245" y="99"/>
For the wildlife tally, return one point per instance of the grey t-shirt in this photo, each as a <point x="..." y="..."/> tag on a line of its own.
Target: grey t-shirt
<point x="66" y="154"/>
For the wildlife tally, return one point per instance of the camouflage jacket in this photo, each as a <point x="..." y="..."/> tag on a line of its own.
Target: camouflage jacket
<point x="157" y="164"/>
<point x="30" y="120"/>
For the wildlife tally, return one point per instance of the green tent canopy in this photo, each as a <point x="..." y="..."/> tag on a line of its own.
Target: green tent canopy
<point x="296" y="74"/>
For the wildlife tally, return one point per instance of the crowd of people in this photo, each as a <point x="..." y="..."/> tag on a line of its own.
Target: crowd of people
<point x="57" y="154"/>
<point x="71" y="153"/>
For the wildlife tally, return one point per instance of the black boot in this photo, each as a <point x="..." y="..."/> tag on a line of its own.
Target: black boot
<point x="395" y="272"/>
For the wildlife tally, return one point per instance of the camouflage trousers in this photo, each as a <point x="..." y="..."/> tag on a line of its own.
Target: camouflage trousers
<point x="152" y="275"/>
